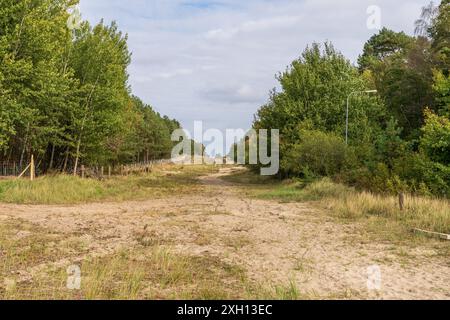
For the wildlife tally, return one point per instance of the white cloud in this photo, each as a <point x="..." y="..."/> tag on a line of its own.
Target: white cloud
<point x="216" y="60"/>
<point x="254" y="26"/>
<point x="175" y="73"/>
<point x="234" y="94"/>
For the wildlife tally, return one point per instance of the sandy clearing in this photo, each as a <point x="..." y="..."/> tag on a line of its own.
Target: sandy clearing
<point x="276" y="243"/>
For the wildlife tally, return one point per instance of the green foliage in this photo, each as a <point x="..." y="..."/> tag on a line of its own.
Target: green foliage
<point x="422" y="175"/>
<point x="435" y="142"/>
<point x="401" y="69"/>
<point x="315" y="88"/>
<point x="317" y="154"/>
<point x="441" y="88"/>
<point x="440" y="34"/>
<point x="64" y="94"/>
<point x="389" y="144"/>
<point x="386" y="44"/>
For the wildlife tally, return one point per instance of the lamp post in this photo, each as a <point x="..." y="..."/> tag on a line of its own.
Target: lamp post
<point x="348" y="107"/>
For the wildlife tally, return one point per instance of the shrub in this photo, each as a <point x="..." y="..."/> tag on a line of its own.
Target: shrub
<point x="317" y="154"/>
<point x="435" y="142"/>
<point x="424" y="176"/>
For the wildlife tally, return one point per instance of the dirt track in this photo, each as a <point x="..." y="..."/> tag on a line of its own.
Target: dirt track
<point x="275" y="243"/>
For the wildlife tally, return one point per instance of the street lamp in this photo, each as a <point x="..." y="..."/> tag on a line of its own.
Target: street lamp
<point x="348" y="107"/>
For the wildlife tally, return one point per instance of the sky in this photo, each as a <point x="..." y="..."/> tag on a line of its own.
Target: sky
<point x="216" y="60"/>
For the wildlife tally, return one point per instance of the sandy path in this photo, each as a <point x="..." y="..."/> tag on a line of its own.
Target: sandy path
<point x="275" y="243"/>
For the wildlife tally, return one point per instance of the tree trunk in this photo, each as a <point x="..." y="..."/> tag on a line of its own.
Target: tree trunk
<point x="66" y="160"/>
<point x="86" y="110"/>
<point x="77" y="156"/>
<point x="52" y="157"/>
<point x="22" y="155"/>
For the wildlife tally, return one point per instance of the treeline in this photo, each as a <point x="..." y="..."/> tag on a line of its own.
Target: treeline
<point x="399" y="138"/>
<point x="64" y="93"/>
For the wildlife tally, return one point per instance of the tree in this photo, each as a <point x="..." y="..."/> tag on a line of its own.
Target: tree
<point x="440" y="33"/>
<point x="314" y="93"/>
<point x="65" y="97"/>
<point x="100" y="62"/>
<point x="401" y="69"/>
<point x="32" y="39"/>
<point x="386" y="44"/>
<point x="427" y="17"/>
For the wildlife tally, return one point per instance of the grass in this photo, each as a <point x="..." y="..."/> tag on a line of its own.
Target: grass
<point x="23" y="245"/>
<point x="146" y="273"/>
<point x="249" y="178"/>
<point x="381" y="211"/>
<point x="298" y="191"/>
<point x="34" y="266"/>
<point x="34" y="262"/>
<point x="64" y="189"/>
<point x="424" y="213"/>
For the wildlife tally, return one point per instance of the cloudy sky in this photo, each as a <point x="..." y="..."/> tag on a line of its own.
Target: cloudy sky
<point x="216" y="60"/>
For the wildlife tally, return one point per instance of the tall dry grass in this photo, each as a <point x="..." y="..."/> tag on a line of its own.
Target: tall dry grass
<point x="419" y="212"/>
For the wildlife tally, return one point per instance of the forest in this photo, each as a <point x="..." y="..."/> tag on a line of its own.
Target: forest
<point x="398" y="136"/>
<point x="64" y="93"/>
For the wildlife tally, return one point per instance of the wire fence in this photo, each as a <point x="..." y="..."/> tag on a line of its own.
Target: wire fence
<point x="8" y="169"/>
<point x="14" y="169"/>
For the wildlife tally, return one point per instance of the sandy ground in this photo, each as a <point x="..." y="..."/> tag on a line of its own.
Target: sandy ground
<point x="276" y="243"/>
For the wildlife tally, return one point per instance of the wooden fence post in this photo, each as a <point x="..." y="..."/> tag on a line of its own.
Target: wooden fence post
<point x="32" y="169"/>
<point x="401" y="200"/>
<point x="109" y="172"/>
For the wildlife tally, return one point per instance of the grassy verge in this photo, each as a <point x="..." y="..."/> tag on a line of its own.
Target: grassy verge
<point x="348" y="203"/>
<point x="64" y="189"/>
<point x="249" y="178"/>
<point x="152" y="273"/>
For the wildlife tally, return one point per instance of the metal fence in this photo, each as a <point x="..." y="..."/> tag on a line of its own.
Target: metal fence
<point x="9" y="169"/>
<point x="14" y="169"/>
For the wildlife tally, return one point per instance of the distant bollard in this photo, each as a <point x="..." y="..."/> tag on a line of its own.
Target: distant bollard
<point x="374" y="278"/>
